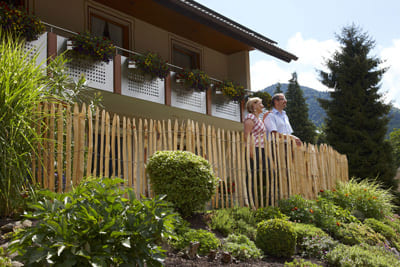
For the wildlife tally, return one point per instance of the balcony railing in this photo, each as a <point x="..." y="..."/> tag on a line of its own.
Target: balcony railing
<point x="116" y="76"/>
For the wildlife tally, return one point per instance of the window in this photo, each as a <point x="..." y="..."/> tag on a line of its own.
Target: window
<point x="185" y="57"/>
<point x="102" y="26"/>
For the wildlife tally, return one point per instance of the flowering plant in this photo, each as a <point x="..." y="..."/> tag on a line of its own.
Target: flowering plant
<point x="232" y="90"/>
<point x="18" y="21"/>
<point x="195" y="79"/>
<point x="152" y="64"/>
<point x="96" y="48"/>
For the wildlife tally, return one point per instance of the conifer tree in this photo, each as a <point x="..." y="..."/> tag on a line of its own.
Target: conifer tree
<point x="297" y="111"/>
<point x="278" y="88"/>
<point x="357" y="118"/>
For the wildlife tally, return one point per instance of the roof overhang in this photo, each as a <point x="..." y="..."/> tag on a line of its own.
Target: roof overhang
<point x="200" y="24"/>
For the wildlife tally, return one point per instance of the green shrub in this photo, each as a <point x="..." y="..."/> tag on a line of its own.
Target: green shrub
<point x="354" y="234"/>
<point x="95" y="225"/>
<point x="364" y="199"/>
<point x="301" y="263"/>
<point x="361" y="256"/>
<point x="388" y="232"/>
<point x="269" y="212"/>
<point x="241" y="247"/>
<point x="208" y="241"/>
<point x="276" y="237"/>
<point x="187" y="180"/>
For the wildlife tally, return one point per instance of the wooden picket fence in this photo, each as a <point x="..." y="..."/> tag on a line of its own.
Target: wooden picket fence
<point x="77" y="144"/>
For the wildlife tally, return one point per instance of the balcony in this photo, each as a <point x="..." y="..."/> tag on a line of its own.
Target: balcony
<point x="117" y="77"/>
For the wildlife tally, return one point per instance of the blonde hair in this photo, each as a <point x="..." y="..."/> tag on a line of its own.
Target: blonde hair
<point x="250" y="103"/>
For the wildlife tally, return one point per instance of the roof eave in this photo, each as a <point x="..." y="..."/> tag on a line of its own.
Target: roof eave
<point x="209" y="18"/>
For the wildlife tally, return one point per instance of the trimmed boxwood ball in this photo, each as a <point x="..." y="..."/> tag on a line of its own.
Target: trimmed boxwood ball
<point x="276" y="238"/>
<point x="187" y="179"/>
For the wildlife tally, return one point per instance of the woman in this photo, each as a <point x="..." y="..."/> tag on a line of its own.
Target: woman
<point x="255" y="126"/>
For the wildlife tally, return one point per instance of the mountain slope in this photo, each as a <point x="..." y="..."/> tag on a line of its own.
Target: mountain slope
<point x="317" y="114"/>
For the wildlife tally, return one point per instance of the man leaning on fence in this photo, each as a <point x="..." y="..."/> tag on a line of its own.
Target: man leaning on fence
<point x="277" y="121"/>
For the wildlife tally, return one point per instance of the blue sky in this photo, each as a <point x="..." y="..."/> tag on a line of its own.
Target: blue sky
<point x="307" y="29"/>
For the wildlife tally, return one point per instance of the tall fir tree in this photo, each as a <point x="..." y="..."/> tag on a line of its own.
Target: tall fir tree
<point x="357" y="118"/>
<point x="278" y="88"/>
<point x="297" y="111"/>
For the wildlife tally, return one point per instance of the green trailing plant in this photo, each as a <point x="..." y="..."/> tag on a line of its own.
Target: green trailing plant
<point x="208" y="241"/>
<point x="387" y="231"/>
<point x="276" y="237"/>
<point x="92" y="47"/>
<point x="301" y="263"/>
<point x="95" y="225"/>
<point x="22" y="86"/>
<point x="151" y="64"/>
<point x="241" y="247"/>
<point x="365" y="199"/>
<point x="223" y="222"/>
<point x="231" y="90"/>
<point x="357" y="233"/>
<point x="317" y="246"/>
<point x="235" y="220"/>
<point x="194" y="79"/>
<point x="304" y="231"/>
<point x="361" y="256"/>
<point x="17" y="22"/>
<point x="187" y="180"/>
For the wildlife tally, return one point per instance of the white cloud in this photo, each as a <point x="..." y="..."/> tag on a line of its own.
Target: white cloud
<point x="391" y="79"/>
<point x="312" y="54"/>
<point x="265" y="73"/>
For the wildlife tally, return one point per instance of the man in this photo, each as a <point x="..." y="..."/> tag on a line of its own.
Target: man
<point x="277" y="121"/>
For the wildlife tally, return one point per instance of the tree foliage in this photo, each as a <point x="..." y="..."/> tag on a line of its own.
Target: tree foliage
<point x="357" y="118"/>
<point x="395" y="142"/>
<point x="297" y="111"/>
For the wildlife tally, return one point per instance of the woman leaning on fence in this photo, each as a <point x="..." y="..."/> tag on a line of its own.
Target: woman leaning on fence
<point x="253" y="125"/>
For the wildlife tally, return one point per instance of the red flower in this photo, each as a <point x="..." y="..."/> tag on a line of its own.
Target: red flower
<point x="338" y="223"/>
<point x="295" y="208"/>
<point x="322" y="190"/>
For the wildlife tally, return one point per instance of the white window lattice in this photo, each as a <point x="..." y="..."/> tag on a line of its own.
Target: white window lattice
<point x="187" y="97"/>
<point x="94" y="72"/>
<point x="136" y="85"/>
<point x="99" y="75"/>
<point x="223" y="108"/>
<point x="38" y="47"/>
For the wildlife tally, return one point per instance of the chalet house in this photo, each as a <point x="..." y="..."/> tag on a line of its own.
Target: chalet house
<point x="184" y="32"/>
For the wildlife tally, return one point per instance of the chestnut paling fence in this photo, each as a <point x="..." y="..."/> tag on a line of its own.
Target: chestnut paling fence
<point x="78" y="142"/>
